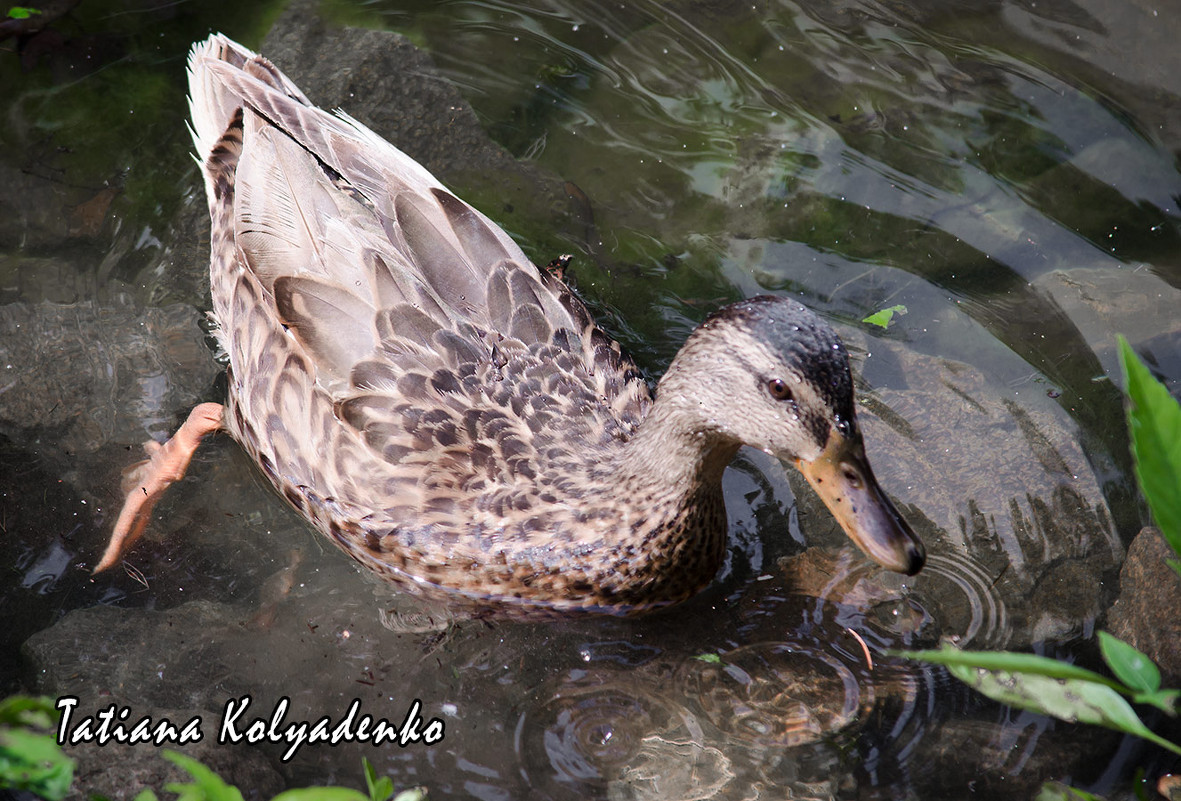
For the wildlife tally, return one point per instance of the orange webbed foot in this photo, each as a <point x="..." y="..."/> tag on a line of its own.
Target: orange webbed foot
<point x="144" y="483"/>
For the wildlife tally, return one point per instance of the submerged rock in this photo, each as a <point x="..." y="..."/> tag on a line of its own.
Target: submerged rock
<point x="166" y="679"/>
<point x="76" y="377"/>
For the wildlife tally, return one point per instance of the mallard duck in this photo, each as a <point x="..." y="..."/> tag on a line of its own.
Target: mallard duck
<point x="451" y="416"/>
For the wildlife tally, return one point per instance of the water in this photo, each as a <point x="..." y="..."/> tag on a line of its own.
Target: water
<point x="1004" y="171"/>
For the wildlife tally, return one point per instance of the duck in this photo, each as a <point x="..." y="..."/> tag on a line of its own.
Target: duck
<point x="451" y="416"/>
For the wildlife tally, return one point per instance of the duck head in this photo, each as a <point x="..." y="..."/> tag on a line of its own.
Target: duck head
<point x="768" y="373"/>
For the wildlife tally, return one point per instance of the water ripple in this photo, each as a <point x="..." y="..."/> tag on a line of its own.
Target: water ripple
<point x="954" y="596"/>
<point x="776" y="694"/>
<point x="603" y="729"/>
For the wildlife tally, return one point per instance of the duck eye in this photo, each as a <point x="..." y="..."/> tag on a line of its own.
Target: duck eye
<point x="778" y="389"/>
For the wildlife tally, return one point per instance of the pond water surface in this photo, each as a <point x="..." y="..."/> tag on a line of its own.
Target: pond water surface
<point x="1006" y="171"/>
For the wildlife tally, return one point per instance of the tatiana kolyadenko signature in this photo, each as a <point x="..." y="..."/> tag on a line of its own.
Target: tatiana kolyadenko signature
<point x="116" y="724"/>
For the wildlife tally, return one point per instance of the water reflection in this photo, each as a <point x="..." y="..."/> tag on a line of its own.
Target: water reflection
<point x="599" y="728"/>
<point x="964" y="160"/>
<point x="758" y="716"/>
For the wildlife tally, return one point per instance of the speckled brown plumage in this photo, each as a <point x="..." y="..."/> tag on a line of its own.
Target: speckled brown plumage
<point x="446" y="413"/>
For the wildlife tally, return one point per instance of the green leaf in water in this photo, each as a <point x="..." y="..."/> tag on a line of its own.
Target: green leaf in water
<point x="882" y="318"/>
<point x="1154" y="421"/>
<point x="713" y="659"/>
<point x="22" y="12"/>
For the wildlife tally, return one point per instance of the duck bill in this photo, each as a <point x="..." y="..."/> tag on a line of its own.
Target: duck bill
<point x="843" y="479"/>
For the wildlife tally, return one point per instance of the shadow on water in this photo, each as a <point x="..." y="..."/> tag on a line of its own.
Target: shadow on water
<point x="1005" y="171"/>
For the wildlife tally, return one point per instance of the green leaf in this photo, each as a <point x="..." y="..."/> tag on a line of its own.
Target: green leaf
<point x="321" y="794"/>
<point x="145" y="795"/>
<point x="1154" y="422"/>
<point x="25" y="710"/>
<point x="713" y="659"/>
<point x="30" y="758"/>
<point x="1128" y="664"/>
<point x="1044" y="685"/>
<point x="206" y="785"/>
<point x="1164" y="700"/>
<point x="1031" y="664"/>
<point x="883" y="317"/>
<point x="22" y="12"/>
<point x="379" y="789"/>
<point x="34" y="762"/>
<point x="1072" y="700"/>
<point x="1054" y="791"/>
<point x="1036" y="665"/>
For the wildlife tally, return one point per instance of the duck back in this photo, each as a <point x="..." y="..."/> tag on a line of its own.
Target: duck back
<point x="398" y="368"/>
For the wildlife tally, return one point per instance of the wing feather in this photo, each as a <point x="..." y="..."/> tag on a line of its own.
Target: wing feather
<point x="426" y="322"/>
<point x="332" y="323"/>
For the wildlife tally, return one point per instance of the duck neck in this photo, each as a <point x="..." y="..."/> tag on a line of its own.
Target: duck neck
<point x="670" y="456"/>
<point x="662" y="504"/>
<point x="671" y="469"/>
